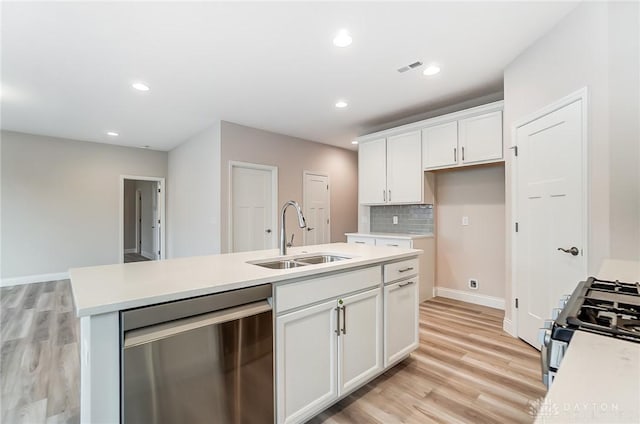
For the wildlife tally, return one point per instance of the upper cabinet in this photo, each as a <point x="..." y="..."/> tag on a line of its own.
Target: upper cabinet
<point x="466" y="141"/>
<point x="391" y="162"/>
<point x="390" y="170"/>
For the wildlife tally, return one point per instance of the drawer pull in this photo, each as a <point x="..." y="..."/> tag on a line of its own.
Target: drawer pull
<point x="360" y="242"/>
<point x="406" y="269"/>
<point x="393" y="245"/>
<point x="408" y="283"/>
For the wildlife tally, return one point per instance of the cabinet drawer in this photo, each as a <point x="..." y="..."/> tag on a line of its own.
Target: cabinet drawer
<point x="361" y="240"/>
<point x="307" y="292"/>
<point x="403" y="269"/>
<point x="394" y="242"/>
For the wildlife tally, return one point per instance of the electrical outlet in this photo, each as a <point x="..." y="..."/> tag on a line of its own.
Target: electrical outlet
<point x="395" y="219"/>
<point x="473" y="283"/>
<point x="465" y="220"/>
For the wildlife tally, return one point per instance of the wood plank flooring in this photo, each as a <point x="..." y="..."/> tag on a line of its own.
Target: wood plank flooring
<point x="467" y="370"/>
<point x="39" y="354"/>
<point x="134" y="257"/>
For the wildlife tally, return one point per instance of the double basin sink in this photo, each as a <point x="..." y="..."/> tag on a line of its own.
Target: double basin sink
<point x="287" y="263"/>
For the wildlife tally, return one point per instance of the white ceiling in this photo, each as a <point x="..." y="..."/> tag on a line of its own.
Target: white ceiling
<point x="67" y="68"/>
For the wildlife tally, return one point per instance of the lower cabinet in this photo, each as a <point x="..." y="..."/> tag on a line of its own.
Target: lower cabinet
<point x="400" y="319"/>
<point x="326" y="350"/>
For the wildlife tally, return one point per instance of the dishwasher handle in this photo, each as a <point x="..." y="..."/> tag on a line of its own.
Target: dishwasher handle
<point x="161" y="331"/>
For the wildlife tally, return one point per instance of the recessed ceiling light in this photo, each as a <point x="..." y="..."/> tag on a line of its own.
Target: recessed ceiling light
<point x="354" y="142"/>
<point x="113" y="133"/>
<point x="431" y="70"/>
<point x="343" y="39"/>
<point x="341" y="104"/>
<point x="140" y="86"/>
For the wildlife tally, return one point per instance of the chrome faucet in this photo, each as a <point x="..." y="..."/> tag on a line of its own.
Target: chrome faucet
<point x="283" y="233"/>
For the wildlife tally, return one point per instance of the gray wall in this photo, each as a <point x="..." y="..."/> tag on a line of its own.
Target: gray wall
<point x="595" y="46"/>
<point x="60" y="201"/>
<point x="292" y="156"/>
<point x="193" y="202"/>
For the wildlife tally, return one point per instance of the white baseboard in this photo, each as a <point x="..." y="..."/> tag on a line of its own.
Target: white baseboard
<point x="132" y="250"/>
<point x="478" y="299"/>
<point x="507" y="326"/>
<point x="28" y="279"/>
<point x="149" y="255"/>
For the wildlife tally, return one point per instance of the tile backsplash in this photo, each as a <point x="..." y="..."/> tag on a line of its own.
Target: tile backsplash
<point x="412" y="219"/>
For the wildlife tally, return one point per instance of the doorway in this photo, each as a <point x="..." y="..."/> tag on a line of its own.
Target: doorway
<point x="316" y="207"/>
<point x="550" y="211"/>
<point x="253" y="206"/>
<point x="142" y="214"/>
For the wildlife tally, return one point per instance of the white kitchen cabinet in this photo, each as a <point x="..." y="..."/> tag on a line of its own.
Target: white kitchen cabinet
<point x="440" y="145"/>
<point x="390" y="170"/>
<point x="306" y="347"/>
<point x="326" y="349"/>
<point x="360" y="341"/>
<point x="468" y="141"/>
<point x="427" y="261"/>
<point x="400" y="319"/>
<point x="372" y="177"/>
<point x="480" y="138"/>
<point x="404" y="168"/>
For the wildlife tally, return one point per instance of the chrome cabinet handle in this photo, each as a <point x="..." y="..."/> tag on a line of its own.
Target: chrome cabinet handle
<point x="344" y="320"/>
<point x="310" y="229"/>
<point x="268" y="231"/>
<point x="389" y="195"/>
<point x="392" y="245"/>
<point x="455" y="154"/>
<point x="462" y="152"/>
<point x="405" y="269"/>
<point x="337" y="330"/>
<point x="573" y="250"/>
<point x="360" y="242"/>
<point x="408" y="283"/>
<point x="384" y="195"/>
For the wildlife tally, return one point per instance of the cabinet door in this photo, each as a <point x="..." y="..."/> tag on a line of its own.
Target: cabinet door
<point x="404" y="168"/>
<point x="440" y="145"/>
<point x="481" y="138"/>
<point x="306" y="354"/>
<point x="360" y="341"/>
<point x="400" y="319"/>
<point x="372" y="172"/>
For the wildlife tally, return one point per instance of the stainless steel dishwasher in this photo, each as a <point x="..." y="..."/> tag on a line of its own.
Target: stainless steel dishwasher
<point x="202" y="360"/>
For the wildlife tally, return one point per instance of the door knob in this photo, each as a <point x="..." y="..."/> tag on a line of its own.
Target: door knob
<point x="573" y="250"/>
<point x="309" y="228"/>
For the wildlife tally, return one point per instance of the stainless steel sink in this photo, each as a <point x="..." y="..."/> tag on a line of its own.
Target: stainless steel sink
<point x="284" y="264"/>
<point x="295" y="262"/>
<point x="321" y="259"/>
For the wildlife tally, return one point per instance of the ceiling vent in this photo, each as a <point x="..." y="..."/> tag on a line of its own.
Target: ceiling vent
<point x="410" y="66"/>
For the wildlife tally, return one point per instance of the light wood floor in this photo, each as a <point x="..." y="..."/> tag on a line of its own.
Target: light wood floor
<point x="466" y="369"/>
<point x="39" y="355"/>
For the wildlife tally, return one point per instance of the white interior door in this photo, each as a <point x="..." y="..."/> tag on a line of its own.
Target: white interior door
<point x="156" y="220"/>
<point x="252" y="209"/>
<point x="316" y="209"/>
<point x="550" y="214"/>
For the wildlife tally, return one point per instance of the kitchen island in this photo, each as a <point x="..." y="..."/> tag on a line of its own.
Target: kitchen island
<point x="369" y="275"/>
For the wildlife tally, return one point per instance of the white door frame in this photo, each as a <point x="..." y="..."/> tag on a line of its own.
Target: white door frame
<point x="274" y="200"/>
<point x="161" y="213"/>
<point x="581" y="94"/>
<point x="304" y="200"/>
<point x="138" y="218"/>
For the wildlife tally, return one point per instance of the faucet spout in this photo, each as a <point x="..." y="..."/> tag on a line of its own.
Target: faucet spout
<point x="302" y="223"/>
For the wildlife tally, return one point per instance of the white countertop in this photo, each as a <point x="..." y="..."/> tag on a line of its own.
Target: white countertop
<point x="110" y="288"/>
<point x="406" y="236"/>
<point x="598" y="382"/>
